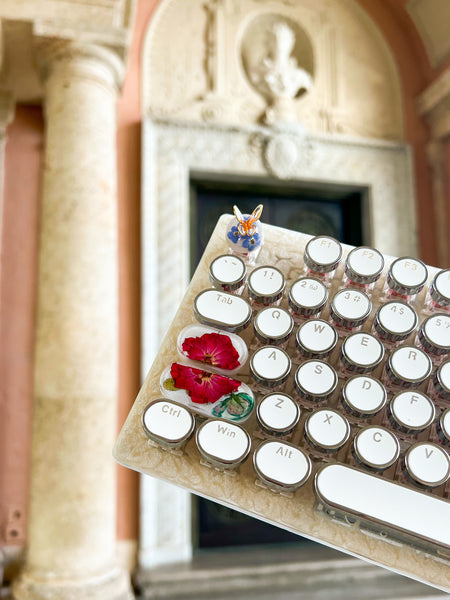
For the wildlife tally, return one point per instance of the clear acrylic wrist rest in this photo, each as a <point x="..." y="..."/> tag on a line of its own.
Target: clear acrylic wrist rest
<point x="315" y="401"/>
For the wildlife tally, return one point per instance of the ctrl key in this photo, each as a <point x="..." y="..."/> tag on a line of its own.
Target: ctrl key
<point x="281" y="466"/>
<point x="168" y="423"/>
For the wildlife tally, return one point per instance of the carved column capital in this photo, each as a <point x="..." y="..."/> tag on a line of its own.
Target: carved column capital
<point x="63" y="58"/>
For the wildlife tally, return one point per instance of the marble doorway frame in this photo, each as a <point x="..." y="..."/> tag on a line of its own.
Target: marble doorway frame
<point x="172" y="151"/>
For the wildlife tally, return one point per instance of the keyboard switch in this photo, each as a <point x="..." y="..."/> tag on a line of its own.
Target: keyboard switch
<point x="266" y="285"/>
<point x="407" y="276"/>
<point x="307" y="297"/>
<point x="363" y="396"/>
<point x="316" y="339"/>
<point x="434" y="334"/>
<point x="322" y="254"/>
<point x="440" y="289"/>
<point x="281" y="465"/>
<point x="411" y="412"/>
<point x="273" y="326"/>
<point x="350" y="308"/>
<point x="364" y="265"/>
<point x="395" y="321"/>
<point x="223" y="444"/>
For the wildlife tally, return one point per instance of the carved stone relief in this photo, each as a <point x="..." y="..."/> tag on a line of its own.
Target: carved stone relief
<point x="323" y="64"/>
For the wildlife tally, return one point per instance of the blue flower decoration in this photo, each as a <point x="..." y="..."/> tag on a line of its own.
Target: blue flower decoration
<point x="252" y="242"/>
<point x="234" y="235"/>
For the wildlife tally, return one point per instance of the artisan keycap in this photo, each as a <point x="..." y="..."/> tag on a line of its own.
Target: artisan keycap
<point x="273" y="325"/>
<point x="363" y="396"/>
<point x="270" y="366"/>
<point x="227" y="272"/>
<point x="223" y="444"/>
<point x="278" y="414"/>
<point x="281" y="465"/>
<point x="327" y="430"/>
<point x="427" y="464"/>
<point x="364" y="265"/>
<point x="322" y="254"/>
<point x="383" y="502"/>
<point x="376" y="448"/>
<point x="395" y="321"/>
<point x="361" y="352"/>
<point x="307" y="296"/>
<point x="440" y="288"/>
<point x="222" y="310"/>
<point x="168" y="423"/>
<point x="315" y="380"/>
<point x="266" y="285"/>
<point x="411" y="411"/>
<point x="316" y="339"/>
<point x="408" y="366"/>
<point x="407" y="276"/>
<point x="350" y="308"/>
<point x="434" y="334"/>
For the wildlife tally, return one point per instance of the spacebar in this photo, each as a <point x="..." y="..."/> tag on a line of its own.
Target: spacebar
<point x="385" y="503"/>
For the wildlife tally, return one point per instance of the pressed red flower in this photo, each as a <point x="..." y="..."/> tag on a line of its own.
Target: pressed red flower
<point x="202" y="387"/>
<point x="214" y="349"/>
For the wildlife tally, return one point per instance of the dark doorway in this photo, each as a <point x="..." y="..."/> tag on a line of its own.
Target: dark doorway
<point x="329" y="210"/>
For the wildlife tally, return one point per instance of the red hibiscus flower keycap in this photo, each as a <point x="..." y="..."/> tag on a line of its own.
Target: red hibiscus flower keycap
<point x="224" y="352"/>
<point x="207" y="393"/>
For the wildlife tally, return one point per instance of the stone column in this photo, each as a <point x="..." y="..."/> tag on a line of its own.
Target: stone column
<point x="436" y="159"/>
<point x="72" y="532"/>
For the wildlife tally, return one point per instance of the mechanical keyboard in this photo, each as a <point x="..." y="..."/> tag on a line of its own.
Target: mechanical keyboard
<point x="306" y="383"/>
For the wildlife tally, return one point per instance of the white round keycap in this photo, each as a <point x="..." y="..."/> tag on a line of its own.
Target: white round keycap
<point x="364" y="395"/>
<point x="436" y="330"/>
<point x="324" y="250"/>
<point x="409" y="272"/>
<point x="363" y="349"/>
<point x="223" y="442"/>
<point x="327" y="429"/>
<point x="273" y="323"/>
<point x="365" y="262"/>
<point x="445" y="424"/>
<point x="222" y="310"/>
<point x="351" y="305"/>
<point x="282" y="464"/>
<point x="412" y="410"/>
<point x="308" y="293"/>
<point x="443" y="375"/>
<point x="266" y="281"/>
<point x="316" y="336"/>
<point x="168" y="421"/>
<point x="442" y="284"/>
<point x="428" y="464"/>
<point x="278" y="412"/>
<point x="410" y="364"/>
<point x="397" y="318"/>
<point x="270" y="363"/>
<point x="376" y="447"/>
<point x="315" y="378"/>
<point x="227" y="269"/>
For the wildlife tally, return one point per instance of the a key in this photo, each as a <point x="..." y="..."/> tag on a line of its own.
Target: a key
<point x="443" y="427"/>
<point x="315" y="380"/>
<point x="223" y="444"/>
<point x="270" y="366"/>
<point x="411" y="411"/>
<point x="316" y="339"/>
<point x="322" y="254"/>
<point x="222" y="310"/>
<point x="326" y="430"/>
<point x="168" y="423"/>
<point x="440" y="289"/>
<point x="307" y="297"/>
<point x="278" y="414"/>
<point x="395" y="321"/>
<point x="227" y="273"/>
<point x="408" y="366"/>
<point x="427" y="464"/>
<point x="364" y="265"/>
<point x="407" y="276"/>
<point x="363" y="396"/>
<point x="266" y="285"/>
<point x="350" y="308"/>
<point x="281" y="465"/>
<point x="376" y="448"/>
<point x="434" y="334"/>
<point x="273" y="326"/>
<point x="439" y="387"/>
<point x="361" y="352"/>
<point x="356" y="493"/>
